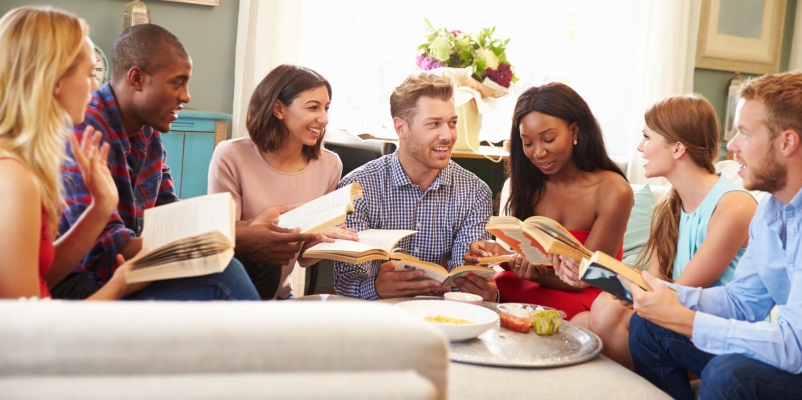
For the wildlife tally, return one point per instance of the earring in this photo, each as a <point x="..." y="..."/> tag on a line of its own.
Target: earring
<point x="575" y="142"/>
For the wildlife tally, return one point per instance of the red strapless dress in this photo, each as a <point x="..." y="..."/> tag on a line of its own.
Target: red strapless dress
<point x="516" y="290"/>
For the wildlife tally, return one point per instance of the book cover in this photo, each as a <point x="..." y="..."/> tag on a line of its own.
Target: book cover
<point x="602" y="271"/>
<point x="440" y="273"/>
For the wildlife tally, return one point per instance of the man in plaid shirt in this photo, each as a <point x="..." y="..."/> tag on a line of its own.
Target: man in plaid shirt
<point x="418" y="188"/>
<point x="150" y="73"/>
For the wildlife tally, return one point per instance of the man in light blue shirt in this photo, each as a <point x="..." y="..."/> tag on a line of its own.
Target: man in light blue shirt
<point x="418" y="188"/>
<point x="720" y="333"/>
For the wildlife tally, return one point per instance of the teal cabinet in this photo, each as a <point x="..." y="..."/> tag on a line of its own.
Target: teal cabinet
<point x="189" y="146"/>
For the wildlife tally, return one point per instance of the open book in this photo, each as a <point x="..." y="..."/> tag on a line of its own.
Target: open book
<point x="601" y="271"/>
<point x="187" y="238"/>
<point x="438" y="272"/>
<point x="373" y="244"/>
<point x="536" y="236"/>
<point x="323" y="212"/>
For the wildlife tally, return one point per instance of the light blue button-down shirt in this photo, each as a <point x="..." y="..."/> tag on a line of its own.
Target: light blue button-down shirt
<point x="730" y="318"/>
<point x="448" y="216"/>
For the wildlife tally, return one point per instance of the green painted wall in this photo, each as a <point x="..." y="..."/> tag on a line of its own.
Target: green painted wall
<point x="208" y="33"/>
<point x="713" y="84"/>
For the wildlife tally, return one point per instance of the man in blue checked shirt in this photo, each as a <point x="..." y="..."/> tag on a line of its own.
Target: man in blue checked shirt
<point x="720" y="333"/>
<point x="418" y="188"/>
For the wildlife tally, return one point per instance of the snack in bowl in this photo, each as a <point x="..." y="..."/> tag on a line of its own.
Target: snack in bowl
<point x="522" y="317"/>
<point x="446" y="320"/>
<point x="547" y="321"/>
<point x="479" y="318"/>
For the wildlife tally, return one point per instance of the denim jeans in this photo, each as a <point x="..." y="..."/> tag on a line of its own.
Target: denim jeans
<point x="664" y="358"/>
<point x="231" y="284"/>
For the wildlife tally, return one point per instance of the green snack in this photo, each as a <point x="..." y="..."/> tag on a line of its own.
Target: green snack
<point x="547" y="322"/>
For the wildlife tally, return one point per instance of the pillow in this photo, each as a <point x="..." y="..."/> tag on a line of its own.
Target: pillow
<point x="639" y="224"/>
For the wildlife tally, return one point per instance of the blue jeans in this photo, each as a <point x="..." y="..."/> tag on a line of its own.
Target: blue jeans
<point x="664" y="358"/>
<point x="231" y="284"/>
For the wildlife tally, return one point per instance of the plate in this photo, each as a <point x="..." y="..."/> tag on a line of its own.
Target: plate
<point x="480" y="317"/>
<point x="505" y="348"/>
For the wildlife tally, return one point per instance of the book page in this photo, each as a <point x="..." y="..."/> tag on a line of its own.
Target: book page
<point x="322" y="210"/>
<point x="429" y="272"/>
<point x="482" y="272"/>
<point x="191" y="217"/>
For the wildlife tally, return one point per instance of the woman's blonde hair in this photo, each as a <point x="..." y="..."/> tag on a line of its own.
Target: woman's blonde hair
<point x="38" y="45"/>
<point x="690" y="120"/>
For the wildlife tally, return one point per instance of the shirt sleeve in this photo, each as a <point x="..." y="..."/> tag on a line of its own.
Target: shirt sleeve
<point x="167" y="192"/>
<point x="357" y="280"/>
<point x="222" y="177"/>
<point x="472" y="228"/>
<point x="101" y="259"/>
<point x="731" y="319"/>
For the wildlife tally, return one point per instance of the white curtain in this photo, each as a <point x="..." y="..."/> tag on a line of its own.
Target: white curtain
<point x="267" y="36"/>
<point x="795" y="63"/>
<point x="665" y="66"/>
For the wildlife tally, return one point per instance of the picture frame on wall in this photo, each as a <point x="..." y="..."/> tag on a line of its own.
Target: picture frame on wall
<point x="202" y="2"/>
<point x="741" y="35"/>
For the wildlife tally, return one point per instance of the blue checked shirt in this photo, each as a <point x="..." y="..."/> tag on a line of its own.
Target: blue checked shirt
<point x="448" y="216"/>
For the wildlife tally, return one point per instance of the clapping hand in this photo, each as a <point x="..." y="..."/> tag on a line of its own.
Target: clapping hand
<point x="91" y="158"/>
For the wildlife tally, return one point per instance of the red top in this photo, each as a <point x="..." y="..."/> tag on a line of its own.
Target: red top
<point x="47" y="253"/>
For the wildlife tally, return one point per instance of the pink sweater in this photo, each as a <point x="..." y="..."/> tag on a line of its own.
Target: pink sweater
<point x="237" y="167"/>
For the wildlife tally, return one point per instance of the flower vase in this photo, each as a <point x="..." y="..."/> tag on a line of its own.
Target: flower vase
<point x="469" y="123"/>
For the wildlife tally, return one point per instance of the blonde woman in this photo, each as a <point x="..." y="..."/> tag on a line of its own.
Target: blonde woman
<point x="699" y="230"/>
<point x="46" y="63"/>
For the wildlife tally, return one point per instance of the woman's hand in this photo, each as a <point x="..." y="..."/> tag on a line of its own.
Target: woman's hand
<point x="117" y="287"/>
<point x="92" y="160"/>
<point x="523" y="269"/>
<point x="483" y="248"/>
<point x="328" y="236"/>
<point x="567" y="269"/>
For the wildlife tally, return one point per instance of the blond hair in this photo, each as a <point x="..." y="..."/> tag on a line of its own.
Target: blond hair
<point x="38" y="45"/>
<point x="690" y="120"/>
<point x="405" y="97"/>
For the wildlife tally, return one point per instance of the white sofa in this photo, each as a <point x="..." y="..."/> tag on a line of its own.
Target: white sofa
<point x="283" y="350"/>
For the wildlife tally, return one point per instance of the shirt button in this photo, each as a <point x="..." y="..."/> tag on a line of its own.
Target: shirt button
<point x="416" y="251"/>
<point x="418" y="225"/>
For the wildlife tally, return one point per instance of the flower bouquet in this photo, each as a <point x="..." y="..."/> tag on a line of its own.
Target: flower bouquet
<point x="482" y="58"/>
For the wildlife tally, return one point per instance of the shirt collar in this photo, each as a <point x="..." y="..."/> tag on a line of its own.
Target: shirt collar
<point x="400" y="177"/>
<point x="775" y="207"/>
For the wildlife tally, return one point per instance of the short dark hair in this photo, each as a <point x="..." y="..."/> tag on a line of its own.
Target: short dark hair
<point x="284" y="83"/>
<point x="147" y="46"/>
<point x="560" y="101"/>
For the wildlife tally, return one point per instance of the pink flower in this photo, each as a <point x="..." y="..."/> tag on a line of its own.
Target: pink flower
<point x="426" y="63"/>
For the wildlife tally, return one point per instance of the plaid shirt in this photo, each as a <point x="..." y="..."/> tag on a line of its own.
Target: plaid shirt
<point x="448" y="216"/>
<point x="138" y="167"/>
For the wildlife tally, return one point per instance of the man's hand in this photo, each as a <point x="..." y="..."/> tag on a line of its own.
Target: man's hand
<point x="391" y="284"/>
<point x="660" y="305"/>
<point x="482" y="248"/>
<point x="477" y="285"/>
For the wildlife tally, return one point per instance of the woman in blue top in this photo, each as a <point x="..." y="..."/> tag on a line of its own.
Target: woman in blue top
<point x="680" y="143"/>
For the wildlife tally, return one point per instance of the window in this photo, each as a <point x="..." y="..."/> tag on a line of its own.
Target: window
<point x="366" y="48"/>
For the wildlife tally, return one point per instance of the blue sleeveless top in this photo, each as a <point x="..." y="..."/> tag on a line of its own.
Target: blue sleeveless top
<point x="693" y="231"/>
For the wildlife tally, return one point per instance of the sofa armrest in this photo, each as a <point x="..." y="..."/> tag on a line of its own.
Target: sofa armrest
<point x="108" y="338"/>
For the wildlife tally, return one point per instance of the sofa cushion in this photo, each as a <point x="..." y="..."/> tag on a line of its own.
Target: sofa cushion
<point x="639" y="224"/>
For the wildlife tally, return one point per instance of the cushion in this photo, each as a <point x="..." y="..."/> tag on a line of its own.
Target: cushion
<point x="639" y="224"/>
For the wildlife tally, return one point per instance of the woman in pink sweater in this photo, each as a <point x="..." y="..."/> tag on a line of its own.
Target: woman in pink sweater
<point x="281" y="162"/>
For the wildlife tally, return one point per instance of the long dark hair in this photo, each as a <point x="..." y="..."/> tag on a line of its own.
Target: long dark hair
<point x="560" y="101"/>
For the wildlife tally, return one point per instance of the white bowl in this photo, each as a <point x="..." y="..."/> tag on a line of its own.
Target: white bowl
<point x="462" y="297"/>
<point x="481" y="318"/>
